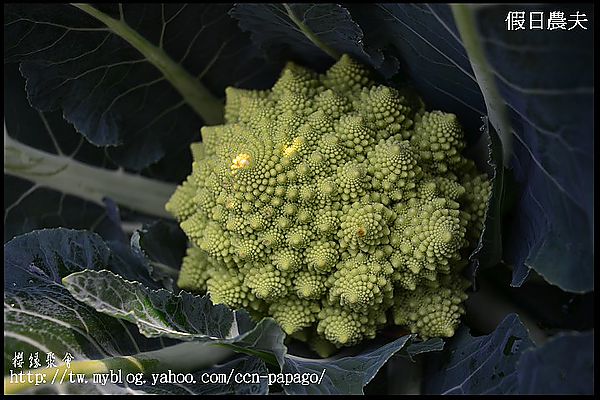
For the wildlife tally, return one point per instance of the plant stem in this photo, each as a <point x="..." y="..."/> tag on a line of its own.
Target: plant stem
<point x="72" y="177"/>
<point x="310" y="34"/>
<point x="192" y="91"/>
<point x="496" y="108"/>
<point x="182" y="357"/>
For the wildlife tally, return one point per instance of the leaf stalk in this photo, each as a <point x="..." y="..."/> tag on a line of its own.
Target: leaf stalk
<point x="90" y="183"/>
<point x="197" y="96"/>
<point x="180" y="358"/>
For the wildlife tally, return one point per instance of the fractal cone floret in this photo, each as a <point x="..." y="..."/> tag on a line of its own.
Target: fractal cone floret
<point x="334" y="205"/>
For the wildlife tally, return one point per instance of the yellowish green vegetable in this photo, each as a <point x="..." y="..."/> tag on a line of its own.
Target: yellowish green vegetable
<point x="334" y="205"/>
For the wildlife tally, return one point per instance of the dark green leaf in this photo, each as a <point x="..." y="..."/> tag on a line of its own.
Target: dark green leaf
<point x="155" y="312"/>
<point x="415" y="348"/>
<point x="540" y="105"/>
<point x="39" y="313"/>
<point x="545" y="370"/>
<point x="488" y="252"/>
<point x="111" y="92"/>
<point x="241" y="365"/>
<point x="28" y="206"/>
<point x="163" y="244"/>
<point x="310" y="33"/>
<point x="194" y="318"/>
<point x="129" y="264"/>
<point x="116" y="224"/>
<point x="348" y="375"/>
<point x="161" y="313"/>
<point x="263" y="340"/>
<point x="547" y="87"/>
<point x="482" y="364"/>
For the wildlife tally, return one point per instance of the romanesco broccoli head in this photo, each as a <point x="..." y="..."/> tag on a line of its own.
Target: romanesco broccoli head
<point x="334" y="205"/>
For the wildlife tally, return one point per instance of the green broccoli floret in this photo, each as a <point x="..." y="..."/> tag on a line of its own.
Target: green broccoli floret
<point x="330" y="203"/>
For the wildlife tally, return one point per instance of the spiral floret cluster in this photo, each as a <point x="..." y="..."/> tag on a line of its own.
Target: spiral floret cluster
<point x="334" y="205"/>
